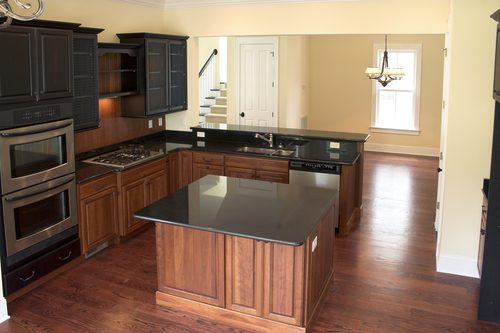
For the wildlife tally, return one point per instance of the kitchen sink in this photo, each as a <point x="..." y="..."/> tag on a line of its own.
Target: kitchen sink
<point x="266" y="151"/>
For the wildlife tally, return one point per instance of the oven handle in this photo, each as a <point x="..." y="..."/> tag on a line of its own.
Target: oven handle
<point x="56" y="183"/>
<point x="37" y="128"/>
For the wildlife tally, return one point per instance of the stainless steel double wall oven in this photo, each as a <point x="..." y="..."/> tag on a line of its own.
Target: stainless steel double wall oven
<point x="37" y="180"/>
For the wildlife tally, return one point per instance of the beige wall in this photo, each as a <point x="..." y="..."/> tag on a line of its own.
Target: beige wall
<point x="341" y="95"/>
<point x="293" y="81"/>
<point x="467" y="150"/>
<point x="112" y="15"/>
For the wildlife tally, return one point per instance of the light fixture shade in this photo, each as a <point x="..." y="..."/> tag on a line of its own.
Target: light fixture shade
<point x="385" y="74"/>
<point x="7" y="14"/>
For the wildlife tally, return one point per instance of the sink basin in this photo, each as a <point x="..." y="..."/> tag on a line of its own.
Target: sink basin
<point x="266" y="151"/>
<point x="256" y="150"/>
<point x="283" y="152"/>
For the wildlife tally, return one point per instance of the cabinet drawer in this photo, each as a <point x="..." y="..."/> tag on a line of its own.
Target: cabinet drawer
<point x="39" y="267"/>
<point x="208" y="158"/>
<point x="267" y="164"/>
<point x="95" y="186"/>
<point x="144" y="170"/>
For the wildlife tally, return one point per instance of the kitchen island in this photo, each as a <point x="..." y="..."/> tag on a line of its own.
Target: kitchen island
<point x="253" y="254"/>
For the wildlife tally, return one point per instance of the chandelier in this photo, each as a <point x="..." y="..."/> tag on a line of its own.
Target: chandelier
<point x="6" y="13"/>
<point x="385" y="74"/>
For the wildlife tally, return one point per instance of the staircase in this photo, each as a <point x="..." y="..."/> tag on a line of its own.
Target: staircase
<point x="213" y="96"/>
<point x="216" y="109"/>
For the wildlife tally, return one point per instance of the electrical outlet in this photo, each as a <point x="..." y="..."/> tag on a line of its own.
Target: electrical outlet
<point x="200" y="134"/>
<point x="200" y="143"/>
<point x="150" y="123"/>
<point x="314" y="243"/>
<point x="160" y="121"/>
<point x="334" y="145"/>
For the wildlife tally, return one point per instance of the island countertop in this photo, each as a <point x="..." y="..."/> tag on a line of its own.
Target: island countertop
<point x="270" y="212"/>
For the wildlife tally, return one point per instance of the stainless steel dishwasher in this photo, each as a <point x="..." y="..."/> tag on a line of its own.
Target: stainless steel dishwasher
<point x="317" y="174"/>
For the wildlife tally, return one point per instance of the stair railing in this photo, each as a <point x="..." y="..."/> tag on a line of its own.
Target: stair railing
<point x="207" y="79"/>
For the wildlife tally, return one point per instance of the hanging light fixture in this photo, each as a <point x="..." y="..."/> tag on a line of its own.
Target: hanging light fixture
<point x="6" y="13"/>
<point x="385" y="74"/>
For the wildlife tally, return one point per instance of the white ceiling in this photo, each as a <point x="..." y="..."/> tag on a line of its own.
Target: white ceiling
<point x="203" y="3"/>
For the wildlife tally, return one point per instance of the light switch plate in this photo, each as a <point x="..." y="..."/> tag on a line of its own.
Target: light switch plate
<point x="160" y="121"/>
<point x="200" y="143"/>
<point x="334" y="145"/>
<point x="150" y="123"/>
<point x="200" y="134"/>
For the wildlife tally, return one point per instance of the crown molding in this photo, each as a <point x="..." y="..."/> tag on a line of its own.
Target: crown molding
<point x="206" y="3"/>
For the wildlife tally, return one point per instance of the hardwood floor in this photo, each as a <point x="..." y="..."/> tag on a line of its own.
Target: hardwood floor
<point x="385" y="279"/>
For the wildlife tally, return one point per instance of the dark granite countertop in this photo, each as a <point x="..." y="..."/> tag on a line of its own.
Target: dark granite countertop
<point x="307" y="152"/>
<point x="327" y="135"/>
<point x="271" y="212"/>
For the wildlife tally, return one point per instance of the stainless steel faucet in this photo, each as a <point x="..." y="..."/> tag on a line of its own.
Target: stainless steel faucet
<point x="268" y="137"/>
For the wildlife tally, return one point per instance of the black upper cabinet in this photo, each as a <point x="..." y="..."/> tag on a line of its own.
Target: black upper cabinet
<point x="162" y="75"/>
<point x="85" y="78"/>
<point x="37" y="64"/>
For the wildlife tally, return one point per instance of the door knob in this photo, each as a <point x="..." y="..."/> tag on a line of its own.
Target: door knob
<point x="242" y="114"/>
<point x="439" y="169"/>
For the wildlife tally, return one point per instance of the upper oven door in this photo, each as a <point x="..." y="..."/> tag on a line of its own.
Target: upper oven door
<point x="34" y="154"/>
<point x="38" y="212"/>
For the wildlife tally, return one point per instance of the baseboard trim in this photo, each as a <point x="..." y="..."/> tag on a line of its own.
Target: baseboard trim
<point x="457" y="265"/>
<point x="408" y="150"/>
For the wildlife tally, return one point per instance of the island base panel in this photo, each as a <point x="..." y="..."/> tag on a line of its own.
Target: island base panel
<point x="223" y="315"/>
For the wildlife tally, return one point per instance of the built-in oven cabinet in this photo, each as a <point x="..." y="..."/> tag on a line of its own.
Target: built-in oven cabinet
<point x="141" y="186"/>
<point x="38" y="65"/>
<point x="98" y="212"/>
<point x="34" y="154"/>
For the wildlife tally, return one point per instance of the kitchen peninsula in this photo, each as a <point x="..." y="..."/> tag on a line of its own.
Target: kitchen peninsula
<point x="247" y="252"/>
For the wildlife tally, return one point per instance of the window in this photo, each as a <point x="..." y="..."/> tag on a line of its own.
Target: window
<point x="396" y="106"/>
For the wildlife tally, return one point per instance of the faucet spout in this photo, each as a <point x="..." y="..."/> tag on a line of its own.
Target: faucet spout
<point x="268" y="137"/>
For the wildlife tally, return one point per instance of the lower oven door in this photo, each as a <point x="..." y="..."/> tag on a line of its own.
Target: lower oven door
<point x="39" y="212"/>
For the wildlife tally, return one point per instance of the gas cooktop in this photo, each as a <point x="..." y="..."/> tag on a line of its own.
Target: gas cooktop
<point x="125" y="156"/>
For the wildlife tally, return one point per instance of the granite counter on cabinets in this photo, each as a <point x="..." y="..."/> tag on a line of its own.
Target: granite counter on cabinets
<point x="254" y="254"/>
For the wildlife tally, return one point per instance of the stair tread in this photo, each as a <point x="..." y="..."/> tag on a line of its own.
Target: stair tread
<point x="218" y="115"/>
<point x="205" y="106"/>
<point x="211" y="97"/>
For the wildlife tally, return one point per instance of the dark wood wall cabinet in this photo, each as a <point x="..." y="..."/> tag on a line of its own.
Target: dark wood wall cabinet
<point x="85" y="78"/>
<point x="39" y="63"/>
<point x="162" y="75"/>
<point x="118" y="69"/>
<point x="489" y="294"/>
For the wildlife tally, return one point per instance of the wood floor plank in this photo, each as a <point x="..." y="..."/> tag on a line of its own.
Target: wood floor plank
<point x="385" y="279"/>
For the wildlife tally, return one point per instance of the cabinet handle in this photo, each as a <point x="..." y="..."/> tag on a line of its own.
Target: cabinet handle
<point x="29" y="277"/>
<point x="65" y="258"/>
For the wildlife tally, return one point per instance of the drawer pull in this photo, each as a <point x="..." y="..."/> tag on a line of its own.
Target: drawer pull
<point x="65" y="258"/>
<point x="28" y="278"/>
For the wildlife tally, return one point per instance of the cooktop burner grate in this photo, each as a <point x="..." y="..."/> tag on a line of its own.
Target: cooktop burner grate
<point x="125" y="157"/>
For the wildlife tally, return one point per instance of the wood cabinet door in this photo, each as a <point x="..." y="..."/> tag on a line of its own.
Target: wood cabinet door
<point x="271" y="176"/>
<point x="55" y="63"/>
<point x="177" y="75"/>
<point x="98" y="218"/>
<point x="201" y="170"/>
<point x="190" y="263"/>
<point x="186" y="168"/>
<point x="157" y="186"/>
<point x="284" y="281"/>
<point x="98" y="211"/>
<point x="244" y="275"/>
<point x="157" y="99"/>
<point x="134" y="198"/>
<point x="174" y="171"/>
<point x="17" y="65"/>
<point x="240" y="172"/>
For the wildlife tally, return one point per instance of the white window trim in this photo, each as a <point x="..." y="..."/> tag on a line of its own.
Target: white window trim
<point x="418" y="76"/>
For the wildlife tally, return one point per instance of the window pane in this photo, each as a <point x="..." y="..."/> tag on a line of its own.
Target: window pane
<point x="395" y="109"/>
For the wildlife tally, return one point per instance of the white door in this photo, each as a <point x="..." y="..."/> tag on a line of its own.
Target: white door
<point x="256" y="79"/>
<point x="442" y="148"/>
